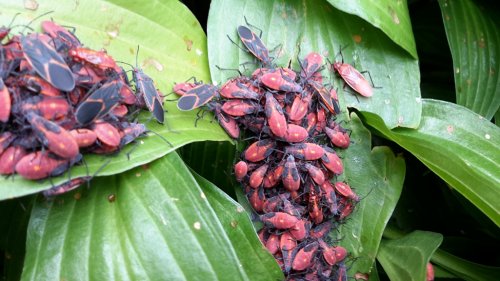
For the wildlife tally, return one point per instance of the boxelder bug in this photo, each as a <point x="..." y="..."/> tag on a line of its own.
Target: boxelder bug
<point x="5" y="102"/>
<point x="99" y="103"/>
<point x="259" y="150"/>
<point x="47" y="63"/>
<point x="197" y="97"/>
<point x="275" y="116"/>
<point x="305" y="257"/>
<point x="279" y="220"/>
<point x="253" y="43"/>
<point x="99" y="59"/>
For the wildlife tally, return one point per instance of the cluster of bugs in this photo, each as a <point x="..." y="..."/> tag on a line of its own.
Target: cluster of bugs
<point x="59" y="100"/>
<point x="286" y="172"/>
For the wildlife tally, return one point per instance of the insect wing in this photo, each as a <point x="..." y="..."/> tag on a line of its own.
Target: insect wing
<point x="151" y="96"/>
<point x="47" y="63"/>
<point x="254" y="43"/>
<point x="197" y="97"/>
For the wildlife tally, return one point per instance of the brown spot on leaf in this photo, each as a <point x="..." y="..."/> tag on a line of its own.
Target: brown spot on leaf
<point x="357" y="38"/>
<point x="283" y="15"/>
<point x="234" y="223"/>
<point x="362" y="276"/>
<point x="195" y="24"/>
<point x="104" y="9"/>
<point x="393" y="14"/>
<point x="30" y="5"/>
<point x="492" y="71"/>
<point x="459" y="90"/>
<point x="193" y="61"/>
<point x="188" y="42"/>
<point x="447" y="17"/>
<point x="468" y="81"/>
<point x="112" y="29"/>
<point x="145" y="167"/>
<point x="449" y="129"/>
<point x="77" y="195"/>
<point x="111" y="198"/>
<point x="481" y="44"/>
<point x="151" y="61"/>
<point x="240" y="209"/>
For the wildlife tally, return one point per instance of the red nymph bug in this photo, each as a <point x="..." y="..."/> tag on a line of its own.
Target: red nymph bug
<point x="257" y="199"/>
<point x="346" y="191"/>
<point x="183" y="88"/>
<point x="258" y="176"/>
<point x="38" y="85"/>
<point x="240" y="170"/>
<point x="305" y="256"/>
<point x="271" y="204"/>
<point x="47" y="63"/>
<point x="120" y="110"/>
<point x="57" y="139"/>
<point x="299" y="232"/>
<point x="341" y="273"/>
<point x="329" y="196"/>
<point x="87" y="75"/>
<point x="272" y="243"/>
<point x="269" y="180"/>
<point x="315" y="173"/>
<point x="311" y="63"/>
<point x="337" y="137"/>
<point x="239" y="107"/>
<point x="9" y="159"/>
<point x="353" y="78"/>
<point x="290" y="175"/>
<point x="99" y="59"/>
<point x="5" y="102"/>
<point x="259" y="150"/>
<point x="4" y="30"/>
<point x="276" y="81"/>
<point x="306" y="151"/>
<point x="56" y="31"/>
<point x="197" y="97"/>
<point x="429" y="276"/>
<point x="295" y="133"/>
<point x="328" y="254"/>
<point x="322" y="230"/>
<point x="340" y="253"/>
<point x="36" y="166"/>
<point x="314" y="205"/>
<point x="63" y="188"/>
<point x="331" y="161"/>
<point x="106" y="133"/>
<point x="227" y="122"/>
<point x="347" y="210"/>
<point x="275" y="116"/>
<point x="279" y="220"/>
<point x="300" y="106"/>
<point x="99" y="103"/>
<point x="287" y="244"/>
<point x="263" y="234"/>
<point x="234" y="89"/>
<point x="50" y="108"/>
<point x="84" y="137"/>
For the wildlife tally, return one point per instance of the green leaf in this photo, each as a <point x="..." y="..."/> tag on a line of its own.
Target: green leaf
<point x="473" y="37"/>
<point x="365" y="170"/>
<point x="391" y="17"/>
<point x="149" y="25"/>
<point x="256" y="261"/>
<point x="13" y="226"/>
<point x="159" y="227"/>
<point x="457" y="145"/>
<point x="319" y="27"/>
<point x="497" y="117"/>
<point x="464" y="269"/>
<point x="406" y="258"/>
<point x="440" y="272"/>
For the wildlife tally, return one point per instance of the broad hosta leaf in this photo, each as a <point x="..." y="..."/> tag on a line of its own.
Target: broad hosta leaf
<point x="456" y="144"/>
<point x="256" y="261"/>
<point x="321" y="28"/>
<point x="473" y="37"/>
<point x="152" y="26"/>
<point x="462" y="268"/>
<point x="406" y="258"/>
<point x="14" y="224"/>
<point x="159" y="227"/>
<point x="391" y="17"/>
<point x="381" y="171"/>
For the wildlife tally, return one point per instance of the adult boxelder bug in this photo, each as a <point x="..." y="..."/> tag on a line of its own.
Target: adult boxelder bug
<point x="47" y="63"/>
<point x="99" y="103"/>
<point x="353" y="78"/>
<point x="253" y="43"/>
<point x="275" y="116"/>
<point x="5" y="102"/>
<point x="51" y="135"/>
<point x="197" y="97"/>
<point x="305" y="257"/>
<point x="259" y="150"/>
<point x="279" y="220"/>
<point x="326" y="97"/>
<point x="290" y="175"/>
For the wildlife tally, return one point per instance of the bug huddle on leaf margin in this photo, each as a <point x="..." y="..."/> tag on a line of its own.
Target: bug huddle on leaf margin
<point x="59" y="100"/>
<point x="286" y="171"/>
